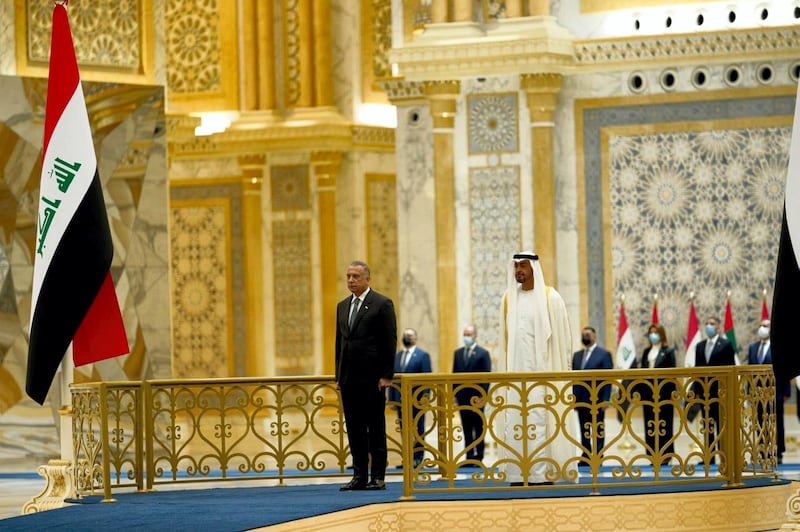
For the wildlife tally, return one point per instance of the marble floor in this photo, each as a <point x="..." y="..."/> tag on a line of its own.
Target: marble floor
<point x="28" y="439"/>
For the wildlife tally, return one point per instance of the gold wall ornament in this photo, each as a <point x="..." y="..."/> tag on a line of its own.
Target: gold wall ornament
<point x="201" y="49"/>
<point x="376" y="41"/>
<point x="113" y="39"/>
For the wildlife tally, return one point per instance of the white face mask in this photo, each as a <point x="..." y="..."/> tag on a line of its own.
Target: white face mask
<point x="468" y="341"/>
<point x="763" y="332"/>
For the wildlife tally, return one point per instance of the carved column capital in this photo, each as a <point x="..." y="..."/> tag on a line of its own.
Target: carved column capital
<point x="542" y="94"/>
<point x="442" y="97"/>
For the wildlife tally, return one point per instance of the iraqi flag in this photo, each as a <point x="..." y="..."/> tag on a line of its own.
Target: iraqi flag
<point x="73" y="298"/>
<point x="764" y="309"/>
<point x="783" y="325"/>
<point x="626" y="350"/>
<point x="693" y="337"/>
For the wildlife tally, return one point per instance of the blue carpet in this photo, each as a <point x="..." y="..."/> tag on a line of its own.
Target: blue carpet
<point x="237" y="509"/>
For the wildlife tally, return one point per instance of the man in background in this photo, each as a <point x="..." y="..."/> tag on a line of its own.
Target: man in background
<point x="471" y="397"/>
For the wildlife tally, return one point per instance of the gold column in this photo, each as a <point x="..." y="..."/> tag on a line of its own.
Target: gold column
<point x="542" y="93"/>
<point x="442" y="97"/>
<point x="538" y="8"/>
<point x="252" y="177"/>
<point x="323" y="75"/>
<point x="462" y="10"/>
<point x="259" y="60"/>
<point x="305" y="45"/>
<point x="438" y="11"/>
<point x="326" y="168"/>
<point x="513" y="8"/>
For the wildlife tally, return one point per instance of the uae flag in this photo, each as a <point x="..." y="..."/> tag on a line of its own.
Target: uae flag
<point x="693" y="336"/>
<point x="73" y="298"/>
<point x="626" y="350"/>
<point x="783" y="342"/>
<point x="730" y="332"/>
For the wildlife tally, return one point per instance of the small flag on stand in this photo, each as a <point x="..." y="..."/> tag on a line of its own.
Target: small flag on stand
<point x="72" y="298"/>
<point x="693" y="336"/>
<point x="729" y="329"/>
<point x="654" y="319"/>
<point x="626" y="349"/>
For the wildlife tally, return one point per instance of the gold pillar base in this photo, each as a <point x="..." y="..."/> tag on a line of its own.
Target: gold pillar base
<point x="60" y="486"/>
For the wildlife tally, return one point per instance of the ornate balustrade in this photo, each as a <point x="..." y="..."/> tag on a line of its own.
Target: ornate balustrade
<point x="144" y="434"/>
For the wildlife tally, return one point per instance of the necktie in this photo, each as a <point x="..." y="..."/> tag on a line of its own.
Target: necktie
<point x="585" y="358"/>
<point x="761" y="353"/>
<point x="709" y="348"/>
<point x="353" y="311"/>
<point x="404" y="360"/>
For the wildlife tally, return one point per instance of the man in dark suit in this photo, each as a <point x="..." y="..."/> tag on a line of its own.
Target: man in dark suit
<point x="591" y="357"/>
<point x="472" y="358"/>
<point x="760" y="352"/>
<point x="366" y="335"/>
<point x="411" y="359"/>
<point x="715" y="350"/>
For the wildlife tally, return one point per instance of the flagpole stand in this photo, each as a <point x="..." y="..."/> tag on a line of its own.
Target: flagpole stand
<point x="59" y="475"/>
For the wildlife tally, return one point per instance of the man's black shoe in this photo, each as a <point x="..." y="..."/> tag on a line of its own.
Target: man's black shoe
<point x="355" y="484"/>
<point x="376" y="484"/>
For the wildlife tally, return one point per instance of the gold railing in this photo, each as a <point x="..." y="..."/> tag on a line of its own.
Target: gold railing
<point x="143" y="434"/>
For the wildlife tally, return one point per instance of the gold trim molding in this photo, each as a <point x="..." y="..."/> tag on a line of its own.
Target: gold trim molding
<point x="745" y="45"/>
<point x="531" y="44"/>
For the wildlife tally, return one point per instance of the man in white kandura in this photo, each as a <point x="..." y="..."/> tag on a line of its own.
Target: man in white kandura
<point x="534" y="329"/>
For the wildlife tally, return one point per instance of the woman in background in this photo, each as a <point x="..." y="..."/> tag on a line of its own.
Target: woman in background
<point x="657" y="405"/>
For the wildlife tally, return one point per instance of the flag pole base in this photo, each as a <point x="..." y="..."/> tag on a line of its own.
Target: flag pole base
<point x="60" y="486"/>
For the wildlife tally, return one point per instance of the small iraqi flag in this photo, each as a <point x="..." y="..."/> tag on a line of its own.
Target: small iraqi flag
<point x="783" y="341"/>
<point x="626" y="350"/>
<point x="693" y="336"/>
<point x="73" y="298"/>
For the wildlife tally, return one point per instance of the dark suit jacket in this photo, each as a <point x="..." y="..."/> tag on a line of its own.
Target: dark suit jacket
<point x="599" y="359"/>
<point x="479" y="361"/>
<point x="783" y="389"/>
<point x="665" y="358"/>
<point x="420" y="362"/>
<point x="721" y="355"/>
<point x="365" y="354"/>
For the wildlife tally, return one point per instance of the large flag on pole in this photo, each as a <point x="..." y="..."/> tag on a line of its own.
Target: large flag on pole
<point x="693" y="336"/>
<point x="73" y="297"/>
<point x="783" y="327"/>
<point x="654" y="319"/>
<point x="764" y="309"/>
<point x="626" y="349"/>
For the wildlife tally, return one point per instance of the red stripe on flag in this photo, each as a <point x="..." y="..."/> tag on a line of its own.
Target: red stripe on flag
<point x="63" y="75"/>
<point x="101" y="334"/>
<point x="692" y="327"/>
<point x="764" y="309"/>
<point x="655" y="313"/>
<point x="623" y="323"/>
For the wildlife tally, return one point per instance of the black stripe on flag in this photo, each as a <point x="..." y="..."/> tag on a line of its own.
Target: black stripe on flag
<point x="783" y="334"/>
<point x="78" y="268"/>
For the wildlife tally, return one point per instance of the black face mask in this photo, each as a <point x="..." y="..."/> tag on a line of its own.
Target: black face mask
<point x="406" y="341"/>
<point x="586" y="340"/>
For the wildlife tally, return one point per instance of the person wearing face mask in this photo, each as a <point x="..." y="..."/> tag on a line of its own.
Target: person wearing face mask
<point x="470" y="398"/>
<point x="715" y="350"/>
<point x="658" y="410"/>
<point x="411" y="359"/>
<point x="760" y="352"/>
<point x="591" y="357"/>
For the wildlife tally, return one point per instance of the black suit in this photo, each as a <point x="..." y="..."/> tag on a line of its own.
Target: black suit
<point x="722" y="354"/>
<point x="599" y="358"/>
<point x="364" y="355"/>
<point x="782" y="390"/>
<point x="472" y="360"/>
<point x="656" y="434"/>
